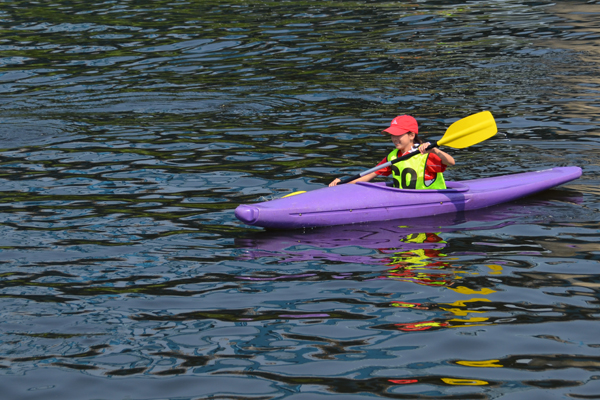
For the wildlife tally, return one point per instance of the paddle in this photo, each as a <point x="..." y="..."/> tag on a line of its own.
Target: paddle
<point x="462" y="133"/>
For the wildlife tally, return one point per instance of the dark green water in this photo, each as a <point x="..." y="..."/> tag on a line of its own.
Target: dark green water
<point x="131" y="130"/>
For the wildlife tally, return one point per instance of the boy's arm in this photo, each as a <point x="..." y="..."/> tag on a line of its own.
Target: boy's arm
<point x="364" y="178"/>
<point x="446" y="158"/>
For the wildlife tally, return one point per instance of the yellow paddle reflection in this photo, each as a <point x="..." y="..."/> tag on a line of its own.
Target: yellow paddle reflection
<point x="464" y="382"/>
<point x="481" y="364"/>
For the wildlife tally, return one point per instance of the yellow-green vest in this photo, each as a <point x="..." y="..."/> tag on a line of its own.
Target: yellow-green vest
<point x="410" y="174"/>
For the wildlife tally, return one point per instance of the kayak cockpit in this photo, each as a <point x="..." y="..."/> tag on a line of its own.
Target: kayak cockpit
<point x="452" y="187"/>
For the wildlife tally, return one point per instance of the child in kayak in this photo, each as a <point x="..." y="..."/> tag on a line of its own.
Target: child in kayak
<point x="424" y="171"/>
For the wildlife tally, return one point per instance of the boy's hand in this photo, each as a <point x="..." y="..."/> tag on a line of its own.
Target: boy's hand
<point x="423" y="148"/>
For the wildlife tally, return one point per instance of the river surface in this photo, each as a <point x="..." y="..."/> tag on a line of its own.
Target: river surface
<point x="131" y="130"/>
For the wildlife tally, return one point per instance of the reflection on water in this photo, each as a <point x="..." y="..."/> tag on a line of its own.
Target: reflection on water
<point x="433" y="282"/>
<point x="129" y="133"/>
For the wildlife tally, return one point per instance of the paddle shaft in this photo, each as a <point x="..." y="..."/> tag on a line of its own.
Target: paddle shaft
<point x="387" y="164"/>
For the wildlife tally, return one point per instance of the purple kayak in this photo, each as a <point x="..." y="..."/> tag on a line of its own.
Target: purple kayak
<point x="368" y="202"/>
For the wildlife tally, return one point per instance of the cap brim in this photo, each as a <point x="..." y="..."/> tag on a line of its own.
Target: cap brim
<point x="392" y="130"/>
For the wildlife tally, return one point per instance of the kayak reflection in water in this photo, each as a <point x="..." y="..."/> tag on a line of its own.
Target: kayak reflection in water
<point x="415" y="265"/>
<point x="424" y="171"/>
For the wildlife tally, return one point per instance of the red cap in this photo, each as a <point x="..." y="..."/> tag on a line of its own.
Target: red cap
<point x="403" y="124"/>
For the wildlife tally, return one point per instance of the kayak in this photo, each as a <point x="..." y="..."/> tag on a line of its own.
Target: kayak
<point x="368" y="202"/>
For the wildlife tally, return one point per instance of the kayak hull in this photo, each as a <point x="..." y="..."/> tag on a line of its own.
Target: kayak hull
<point x="368" y="202"/>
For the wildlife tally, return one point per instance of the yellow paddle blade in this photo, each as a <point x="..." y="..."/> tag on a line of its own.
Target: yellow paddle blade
<point x="469" y="131"/>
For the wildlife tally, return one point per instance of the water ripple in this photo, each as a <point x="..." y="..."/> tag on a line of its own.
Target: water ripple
<point x="131" y="131"/>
